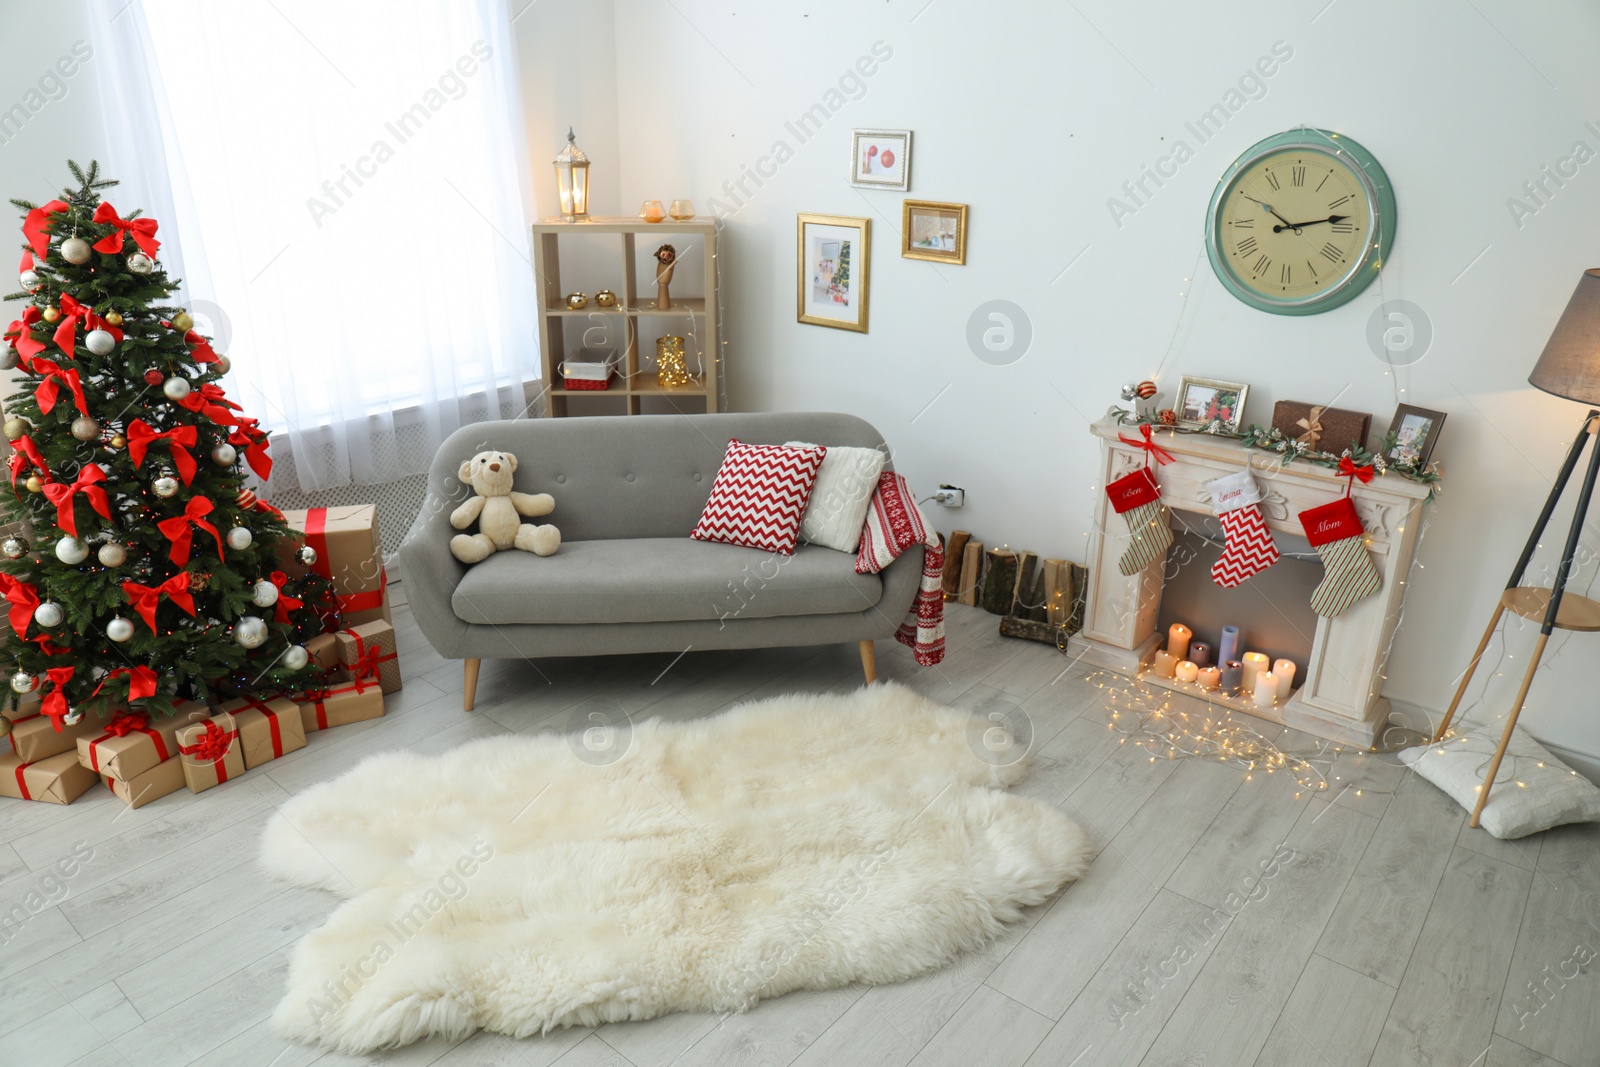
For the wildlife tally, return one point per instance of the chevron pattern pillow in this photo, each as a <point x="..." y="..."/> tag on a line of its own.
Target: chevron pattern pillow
<point x="759" y="496"/>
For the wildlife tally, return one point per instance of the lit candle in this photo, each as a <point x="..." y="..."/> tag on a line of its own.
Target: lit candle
<point x="1232" y="671"/>
<point x="1200" y="652"/>
<point x="1266" y="690"/>
<point x="1283" y="671"/>
<point x="1210" y="677"/>
<point x="1178" y="636"/>
<point x="1186" y="671"/>
<point x="1164" y="664"/>
<point x="1229" y="646"/>
<point x="1254" y="664"/>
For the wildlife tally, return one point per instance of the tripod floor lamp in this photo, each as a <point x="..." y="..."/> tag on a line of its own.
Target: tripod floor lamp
<point x="1569" y="367"/>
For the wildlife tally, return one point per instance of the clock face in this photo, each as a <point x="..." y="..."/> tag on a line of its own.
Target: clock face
<point x="1298" y="225"/>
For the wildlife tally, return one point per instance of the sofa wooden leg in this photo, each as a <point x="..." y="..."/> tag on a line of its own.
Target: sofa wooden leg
<point x="869" y="662"/>
<point x="469" y="684"/>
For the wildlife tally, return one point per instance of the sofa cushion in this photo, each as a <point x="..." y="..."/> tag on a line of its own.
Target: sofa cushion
<point x="660" y="579"/>
<point x="759" y="496"/>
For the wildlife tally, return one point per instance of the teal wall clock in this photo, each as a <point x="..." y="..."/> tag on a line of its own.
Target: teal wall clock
<point x="1301" y="222"/>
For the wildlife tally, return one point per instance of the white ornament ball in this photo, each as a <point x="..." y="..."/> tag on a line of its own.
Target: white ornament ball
<point x="119" y="629"/>
<point x="250" y="631"/>
<point x="175" y="387"/>
<point x="140" y="263"/>
<point x="296" y="657"/>
<point x="100" y="342"/>
<point x="76" y="250"/>
<point x="85" y="429"/>
<point x="224" y="455"/>
<point x="239" y="538"/>
<point x="49" y="614"/>
<point x="263" y="594"/>
<point x="23" y="682"/>
<point x="112" y="554"/>
<point x="165" y="486"/>
<point x="71" y="551"/>
<point x="29" y="280"/>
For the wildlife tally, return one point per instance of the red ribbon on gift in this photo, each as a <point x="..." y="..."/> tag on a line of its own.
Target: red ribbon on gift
<point x="24" y="600"/>
<point x="62" y="494"/>
<point x="22" y="784"/>
<point x="350" y="603"/>
<point x="368" y="659"/>
<point x="141" y="682"/>
<point x="1149" y="446"/>
<point x="285" y="603"/>
<point x="33" y="226"/>
<point x="72" y="313"/>
<point x="121" y="725"/>
<point x="1350" y="470"/>
<point x="20" y="334"/>
<point x="145" y="598"/>
<point x="272" y="724"/>
<point x="141" y="435"/>
<point x="50" y="388"/>
<point x="211" y="401"/>
<point x="143" y="231"/>
<point x="55" y="705"/>
<point x="180" y="529"/>
<point x="212" y="748"/>
<point x="252" y="440"/>
<point x="25" y="454"/>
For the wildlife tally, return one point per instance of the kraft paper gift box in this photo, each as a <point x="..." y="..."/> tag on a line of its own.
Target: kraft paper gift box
<point x="324" y="651"/>
<point x="368" y="652"/>
<point x="267" y="728"/>
<point x="27" y="707"/>
<point x="209" y="753"/>
<point x="1323" y="429"/>
<point x="130" y="744"/>
<point x="57" y="779"/>
<point x="35" y="738"/>
<point x="153" y="784"/>
<point x="348" y="553"/>
<point x="320" y="709"/>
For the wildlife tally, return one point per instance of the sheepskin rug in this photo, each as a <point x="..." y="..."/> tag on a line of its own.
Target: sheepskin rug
<point x="804" y="842"/>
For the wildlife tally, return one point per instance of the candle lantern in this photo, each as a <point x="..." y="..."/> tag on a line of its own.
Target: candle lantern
<point x="572" y="181"/>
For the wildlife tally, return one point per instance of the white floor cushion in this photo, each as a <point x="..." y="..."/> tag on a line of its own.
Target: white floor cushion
<point x="1533" y="790"/>
<point x="839" y="499"/>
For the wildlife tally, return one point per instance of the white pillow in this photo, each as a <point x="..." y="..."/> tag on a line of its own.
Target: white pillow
<point x="839" y="499"/>
<point x="1533" y="790"/>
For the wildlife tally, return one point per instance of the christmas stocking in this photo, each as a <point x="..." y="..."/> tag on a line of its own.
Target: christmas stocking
<point x="1137" y="498"/>
<point x="1250" y="548"/>
<point x="1334" y="530"/>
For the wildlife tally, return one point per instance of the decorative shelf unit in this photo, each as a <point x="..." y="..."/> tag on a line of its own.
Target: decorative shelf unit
<point x="693" y="317"/>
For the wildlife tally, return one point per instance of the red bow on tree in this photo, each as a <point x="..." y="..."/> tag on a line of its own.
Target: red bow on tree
<point x="285" y="602"/>
<point x="1149" y="446"/>
<point x="179" y="529"/>
<point x="141" y="683"/>
<point x="252" y="440"/>
<point x="24" y="600"/>
<point x="25" y="454"/>
<point x="210" y="400"/>
<point x="48" y="389"/>
<point x="20" y="334"/>
<point x="1357" y="474"/>
<point x="201" y="352"/>
<point x="72" y="312"/>
<point x="61" y="494"/>
<point x="55" y="705"/>
<point x="141" y="436"/>
<point x="33" y="226"/>
<point x="251" y="502"/>
<point x="212" y="746"/>
<point x="145" y="598"/>
<point x="143" y="231"/>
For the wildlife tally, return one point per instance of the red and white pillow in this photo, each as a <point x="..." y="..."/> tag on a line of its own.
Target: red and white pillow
<point x="759" y="496"/>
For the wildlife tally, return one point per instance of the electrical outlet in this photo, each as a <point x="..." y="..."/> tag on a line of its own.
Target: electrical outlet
<point x="950" y="496"/>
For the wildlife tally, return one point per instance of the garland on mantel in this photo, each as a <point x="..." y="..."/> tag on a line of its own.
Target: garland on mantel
<point x="1287" y="449"/>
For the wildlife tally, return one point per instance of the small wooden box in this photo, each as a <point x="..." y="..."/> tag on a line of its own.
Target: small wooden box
<point x="1332" y="429"/>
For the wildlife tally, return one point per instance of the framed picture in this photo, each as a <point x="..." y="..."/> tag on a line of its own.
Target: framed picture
<point x="1415" y="431"/>
<point x="930" y="230"/>
<point x="881" y="159"/>
<point x="1202" y="401"/>
<point x="834" y="261"/>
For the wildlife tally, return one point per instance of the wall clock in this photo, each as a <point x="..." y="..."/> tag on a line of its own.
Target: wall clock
<point x="1301" y="222"/>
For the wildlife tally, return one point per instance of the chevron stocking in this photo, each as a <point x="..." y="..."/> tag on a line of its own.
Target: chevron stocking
<point x="1137" y="498"/>
<point x="1335" y="530"/>
<point x="1250" y="548"/>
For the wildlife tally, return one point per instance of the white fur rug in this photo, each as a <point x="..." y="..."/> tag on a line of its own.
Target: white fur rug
<point x="805" y="842"/>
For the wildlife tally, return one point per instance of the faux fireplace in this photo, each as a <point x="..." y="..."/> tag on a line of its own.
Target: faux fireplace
<point x="1339" y="698"/>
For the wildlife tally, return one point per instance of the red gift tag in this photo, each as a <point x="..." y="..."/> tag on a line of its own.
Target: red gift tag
<point x="1331" y="522"/>
<point x="1132" y="490"/>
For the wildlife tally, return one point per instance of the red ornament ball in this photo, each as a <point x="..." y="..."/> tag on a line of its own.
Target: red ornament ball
<point x="154" y="377"/>
<point x="1146" y="390"/>
<point x="1168" y="417"/>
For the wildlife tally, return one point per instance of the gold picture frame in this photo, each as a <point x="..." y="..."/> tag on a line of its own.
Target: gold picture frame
<point x="926" y="231"/>
<point x="833" y="269"/>
<point x="1194" y="410"/>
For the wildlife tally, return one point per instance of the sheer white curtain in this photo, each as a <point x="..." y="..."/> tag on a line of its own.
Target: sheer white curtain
<point x="352" y="175"/>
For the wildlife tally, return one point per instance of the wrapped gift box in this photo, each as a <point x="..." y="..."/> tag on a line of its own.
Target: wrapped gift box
<point x="1324" y="429"/>
<point x="267" y="728"/>
<point x="341" y="706"/>
<point x="210" y="753"/>
<point x="368" y="652"/>
<point x="348" y="553"/>
<point x="153" y="784"/>
<point x="35" y="738"/>
<point x="57" y="779"/>
<point x="130" y="744"/>
<point x="324" y="651"/>
<point x="27" y="707"/>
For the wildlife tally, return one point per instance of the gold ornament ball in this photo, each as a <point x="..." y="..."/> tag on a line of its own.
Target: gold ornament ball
<point x="15" y="427"/>
<point x="5" y="726"/>
<point x="52" y="314"/>
<point x="183" y="322"/>
<point x="85" y="428"/>
<point x="76" y="250"/>
<point x="34" y="484"/>
<point x="165" y="487"/>
<point x="223" y="364"/>
<point x="118" y="441"/>
<point x="113" y="318"/>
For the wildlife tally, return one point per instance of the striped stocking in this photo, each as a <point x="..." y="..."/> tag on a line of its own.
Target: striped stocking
<point x="1335" y="530"/>
<point x="1137" y="498"/>
<point x="1250" y="548"/>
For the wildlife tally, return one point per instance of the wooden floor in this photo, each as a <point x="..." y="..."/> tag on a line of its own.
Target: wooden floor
<point x="1385" y="933"/>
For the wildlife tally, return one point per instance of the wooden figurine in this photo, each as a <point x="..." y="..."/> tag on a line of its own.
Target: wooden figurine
<point x="666" y="260"/>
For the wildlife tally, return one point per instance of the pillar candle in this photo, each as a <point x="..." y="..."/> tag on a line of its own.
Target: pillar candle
<point x="1254" y="664"/>
<point x="1178" y="636"/>
<point x="1228" y="648"/>
<point x="1266" y="690"/>
<point x="1283" y="671"/>
<point x="1200" y="653"/>
<point x="1164" y="664"/>
<point x="1232" y="671"/>
<point x="1186" y="671"/>
<point x="1210" y="677"/>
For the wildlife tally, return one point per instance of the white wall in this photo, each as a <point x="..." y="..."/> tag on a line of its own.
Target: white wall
<point x="1036" y="114"/>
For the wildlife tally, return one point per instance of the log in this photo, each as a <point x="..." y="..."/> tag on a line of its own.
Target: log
<point x="971" y="572"/>
<point x="1057" y="591"/>
<point x="1080" y="596"/>
<point x="1001" y="582"/>
<point x="1027" y="599"/>
<point x="954" y="553"/>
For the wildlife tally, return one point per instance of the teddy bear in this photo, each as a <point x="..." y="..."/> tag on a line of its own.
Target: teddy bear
<point x="498" y="511"/>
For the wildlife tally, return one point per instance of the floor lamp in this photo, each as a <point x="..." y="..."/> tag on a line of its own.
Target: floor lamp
<point x="1569" y="367"/>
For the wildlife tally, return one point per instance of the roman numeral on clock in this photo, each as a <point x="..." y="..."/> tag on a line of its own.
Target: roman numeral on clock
<point x="1272" y="180"/>
<point x="1260" y="266"/>
<point x="1297" y="175"/>
<point x="1339" y="203"/>
<point x="1332" y="253"/>
<point x="1312" y="267"/>
<point x="1283" y="275"/>
<point x="1244" y="224"/>
<point x="1344" y="227"/>
<point x="1247" y="246"/>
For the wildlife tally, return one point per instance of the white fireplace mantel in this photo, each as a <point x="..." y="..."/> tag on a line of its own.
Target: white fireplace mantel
<point x="1339" y="698"/>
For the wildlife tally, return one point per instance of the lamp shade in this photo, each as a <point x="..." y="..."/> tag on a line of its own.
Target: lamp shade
<point x="1570" y="363"/>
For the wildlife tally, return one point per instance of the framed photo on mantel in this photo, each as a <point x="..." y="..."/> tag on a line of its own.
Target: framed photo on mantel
<point x="834" y="260"/>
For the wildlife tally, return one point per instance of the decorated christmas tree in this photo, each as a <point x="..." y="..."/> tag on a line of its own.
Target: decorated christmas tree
<point x="144" y="569"/>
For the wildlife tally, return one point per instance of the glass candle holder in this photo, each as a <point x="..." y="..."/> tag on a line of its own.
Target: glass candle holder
<point x="652" y="211"/>
<point x="682" y="210"/>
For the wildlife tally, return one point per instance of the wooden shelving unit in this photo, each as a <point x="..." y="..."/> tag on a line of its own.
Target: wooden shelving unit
<point x="694" y="318"/>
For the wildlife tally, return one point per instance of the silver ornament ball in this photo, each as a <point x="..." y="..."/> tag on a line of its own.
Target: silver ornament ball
<point x="76" y="250"/>
<point x="239" y="538"/>
<point x="71" y="551"/>
<point x="85" y="429"/>
<point x="224" y="455"/>
<point x="307" y="555"/>
<point x="100" y="342"/>
<point x="9" y="359"/>
<point x="49" y="614"/>
<point x="250" y="631"/>
<point x="140" y="263"/>
<point x="1130" y="390"/>
<point x="165" y="486"/>
<point x="29" y="280"/>
<point x="175" y="387"/>
<point x="112" y="554"/>
<point x="73" y="717"/>
<point x="119" y="629"/>
<point x="23" y="682"/>
<point x="263" y="594"/>
<point x="14" y="547"/>
<point x="296" y="657"/>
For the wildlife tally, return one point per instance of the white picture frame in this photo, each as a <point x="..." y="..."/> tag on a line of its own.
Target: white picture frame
<point x="881" y="159"/>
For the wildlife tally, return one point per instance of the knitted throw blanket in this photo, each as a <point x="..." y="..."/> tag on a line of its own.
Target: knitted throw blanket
<point x="894" y="524"/>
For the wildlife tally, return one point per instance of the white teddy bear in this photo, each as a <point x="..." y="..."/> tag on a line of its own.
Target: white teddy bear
<point x="499" y="511"/>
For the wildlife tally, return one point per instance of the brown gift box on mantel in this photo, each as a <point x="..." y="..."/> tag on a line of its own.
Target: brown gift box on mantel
<point x="356" y="702"/>
<point x="348" y="553"/>
<point x="132" y="743"/>
<point x="368" y="651"/>
<point x="57" y="779"/>
<point x="267" y="728"/>
<point x="210" y="753"/>
<point x="35" y="738"/>
<point x="1323" y="429"/>
<point x="153" y="784"/>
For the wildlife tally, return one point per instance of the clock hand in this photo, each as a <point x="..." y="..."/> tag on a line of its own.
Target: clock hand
<point x="1295" y="226"/>
<point x="1287" y="225"/>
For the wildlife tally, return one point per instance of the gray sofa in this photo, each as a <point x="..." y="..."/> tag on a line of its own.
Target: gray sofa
<point x="628" y="578"/>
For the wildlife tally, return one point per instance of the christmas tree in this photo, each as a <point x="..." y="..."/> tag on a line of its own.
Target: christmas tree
<point x="145" y="569"/>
